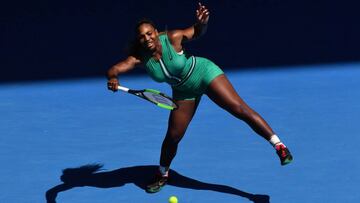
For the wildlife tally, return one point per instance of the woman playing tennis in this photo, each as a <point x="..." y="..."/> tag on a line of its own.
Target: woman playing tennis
<point x="190" y="77"/>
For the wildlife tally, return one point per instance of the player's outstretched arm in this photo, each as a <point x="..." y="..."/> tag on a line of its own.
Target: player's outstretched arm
<point x="196" y="30"/>
<point x="122" y="67"/>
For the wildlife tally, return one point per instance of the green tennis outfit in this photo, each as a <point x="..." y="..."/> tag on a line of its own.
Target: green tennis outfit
<point x="188" y="77"/>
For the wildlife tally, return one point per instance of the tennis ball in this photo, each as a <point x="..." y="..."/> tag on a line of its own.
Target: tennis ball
<point x="173" y="199"/>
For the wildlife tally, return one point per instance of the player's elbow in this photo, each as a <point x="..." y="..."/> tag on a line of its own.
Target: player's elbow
<point x="111" y="73"/>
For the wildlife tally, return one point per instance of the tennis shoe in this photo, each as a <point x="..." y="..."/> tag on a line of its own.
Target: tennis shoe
<point x="157" y="184"/>
<point x="284" y="154"/>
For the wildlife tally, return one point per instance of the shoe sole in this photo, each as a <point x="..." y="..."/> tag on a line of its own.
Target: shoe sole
<point x="287" y="160"/>
<point x="154" y="190"/>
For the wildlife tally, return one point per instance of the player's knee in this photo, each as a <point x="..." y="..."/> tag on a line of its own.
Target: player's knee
<point x="174" y="136"/>
<point x="240" y="111"/>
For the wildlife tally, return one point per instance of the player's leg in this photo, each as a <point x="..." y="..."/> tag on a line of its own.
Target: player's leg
<point x="179" y="120"/>
<point x="223" y="94"/>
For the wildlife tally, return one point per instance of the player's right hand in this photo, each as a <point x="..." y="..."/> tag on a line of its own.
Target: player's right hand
<point x="113" y="84"/>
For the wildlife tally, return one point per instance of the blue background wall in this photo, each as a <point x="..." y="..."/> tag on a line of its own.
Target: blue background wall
<point x="65" y="39"/>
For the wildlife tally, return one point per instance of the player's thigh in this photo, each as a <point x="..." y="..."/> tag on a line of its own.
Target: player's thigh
<point x="180" y="118"/>
<point x="223" y="94"/>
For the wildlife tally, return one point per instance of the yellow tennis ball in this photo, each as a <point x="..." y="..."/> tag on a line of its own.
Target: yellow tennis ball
<point x="173" y="199"/>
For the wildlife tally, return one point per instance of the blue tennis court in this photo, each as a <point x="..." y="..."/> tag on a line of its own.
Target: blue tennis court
<point x="49" y="126"/>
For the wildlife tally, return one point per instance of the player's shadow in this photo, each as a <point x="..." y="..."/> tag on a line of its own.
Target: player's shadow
<point x="91" y="175"/>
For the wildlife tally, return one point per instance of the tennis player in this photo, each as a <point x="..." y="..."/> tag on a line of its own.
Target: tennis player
<point x="164" y="59"/>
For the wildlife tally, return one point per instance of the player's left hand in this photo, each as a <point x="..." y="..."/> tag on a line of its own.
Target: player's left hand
<point x="202" y="14"/>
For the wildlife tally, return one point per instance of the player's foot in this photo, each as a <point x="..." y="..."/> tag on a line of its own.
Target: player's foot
<point x="284" y="154"/>
<point x="158" y="183"/>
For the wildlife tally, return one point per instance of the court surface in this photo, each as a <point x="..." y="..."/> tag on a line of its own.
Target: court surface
<point x="49" y="126"/>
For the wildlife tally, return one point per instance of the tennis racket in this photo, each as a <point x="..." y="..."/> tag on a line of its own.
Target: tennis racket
<point x="153" y="96"/>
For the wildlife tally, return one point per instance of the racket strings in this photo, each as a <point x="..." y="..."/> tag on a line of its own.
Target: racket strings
<point x="158" y="98"/>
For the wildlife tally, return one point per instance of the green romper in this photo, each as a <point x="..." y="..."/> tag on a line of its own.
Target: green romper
<point x="188" y="77"/>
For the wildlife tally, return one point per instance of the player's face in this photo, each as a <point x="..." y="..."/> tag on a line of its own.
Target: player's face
<point x="148" y="36"/>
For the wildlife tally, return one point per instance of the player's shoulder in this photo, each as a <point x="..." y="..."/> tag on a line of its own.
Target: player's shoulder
<point x="175" y="35"/>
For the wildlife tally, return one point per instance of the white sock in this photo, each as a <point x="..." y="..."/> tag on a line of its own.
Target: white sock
<point x="275" y="140"/>
<point x="164" y="170"/>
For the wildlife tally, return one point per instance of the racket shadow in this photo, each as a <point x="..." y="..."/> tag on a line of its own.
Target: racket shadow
<point x="91" y="175"/>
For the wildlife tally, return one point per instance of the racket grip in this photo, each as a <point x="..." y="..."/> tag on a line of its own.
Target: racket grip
<point x="125" y="89"/>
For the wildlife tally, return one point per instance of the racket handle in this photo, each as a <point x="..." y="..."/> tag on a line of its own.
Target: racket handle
<point x="125" y="89"/>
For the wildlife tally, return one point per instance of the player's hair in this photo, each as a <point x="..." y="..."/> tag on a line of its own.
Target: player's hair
<point x="144" y="21"/>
